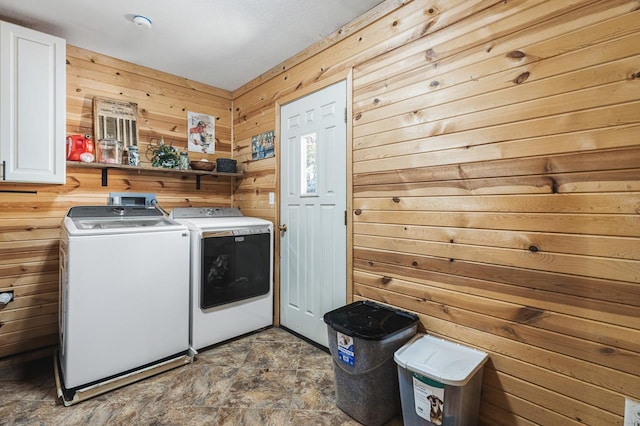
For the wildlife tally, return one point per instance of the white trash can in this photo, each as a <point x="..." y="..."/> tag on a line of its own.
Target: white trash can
<point x="440" y="382"/>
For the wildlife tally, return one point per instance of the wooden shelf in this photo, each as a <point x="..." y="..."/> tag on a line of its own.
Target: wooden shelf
<point x="142" y="169"/>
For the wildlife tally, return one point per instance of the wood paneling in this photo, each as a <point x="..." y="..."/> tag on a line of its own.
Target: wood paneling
<point x="495" y="185"/>
<point x="30" y="216"/>
<point x="496" y="188"/>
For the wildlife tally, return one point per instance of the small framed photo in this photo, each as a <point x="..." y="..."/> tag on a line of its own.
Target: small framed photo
<point x="262" y="145"/>
<point x="201" y="133"/>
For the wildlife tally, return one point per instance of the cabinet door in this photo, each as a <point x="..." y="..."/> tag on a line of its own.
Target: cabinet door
<point x="32" y="105"/>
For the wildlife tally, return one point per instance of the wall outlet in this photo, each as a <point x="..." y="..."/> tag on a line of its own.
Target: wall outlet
<point x="631" y="412"/>
<point x="272" y="198"/>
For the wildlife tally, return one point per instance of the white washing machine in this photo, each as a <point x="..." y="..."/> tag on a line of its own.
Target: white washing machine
<point x="231" y="273"/>
<point x="124" y="298"/>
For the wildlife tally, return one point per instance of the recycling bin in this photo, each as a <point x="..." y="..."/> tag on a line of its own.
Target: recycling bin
<point x="363" y="337"/>
<point x="440" y="382"/>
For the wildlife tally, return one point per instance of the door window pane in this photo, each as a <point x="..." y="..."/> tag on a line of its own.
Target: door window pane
<point x="309" y="164"/>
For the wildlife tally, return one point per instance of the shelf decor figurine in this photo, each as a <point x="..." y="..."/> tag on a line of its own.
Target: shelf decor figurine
<point x="163" y="155"/>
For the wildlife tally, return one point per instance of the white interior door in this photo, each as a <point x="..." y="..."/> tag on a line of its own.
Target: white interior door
<point x="313" y="209"/>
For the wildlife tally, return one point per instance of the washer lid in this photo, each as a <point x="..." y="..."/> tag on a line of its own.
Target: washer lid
<point x="114" y="211"/>
<point x="118" y="223"/>
<point x="99" y="220"/>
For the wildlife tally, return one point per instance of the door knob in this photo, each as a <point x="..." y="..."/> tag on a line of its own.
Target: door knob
<point x="283" y="228"/>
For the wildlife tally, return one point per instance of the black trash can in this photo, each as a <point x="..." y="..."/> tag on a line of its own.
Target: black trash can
<point x="363" y="336"/>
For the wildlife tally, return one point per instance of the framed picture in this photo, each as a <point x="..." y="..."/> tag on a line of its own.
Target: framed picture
<point x="201" y="134"/>
<point x="115" y="119"/>
<point x="262" y="145"/>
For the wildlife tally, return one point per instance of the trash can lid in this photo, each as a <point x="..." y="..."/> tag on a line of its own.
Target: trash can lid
<point x="369" y="320"/>
<point x="441" y="360"/>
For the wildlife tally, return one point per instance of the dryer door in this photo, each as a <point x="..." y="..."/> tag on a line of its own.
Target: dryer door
<point x="234" y="267"/>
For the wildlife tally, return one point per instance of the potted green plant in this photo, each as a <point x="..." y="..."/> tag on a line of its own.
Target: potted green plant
<point x="163" y="155"/>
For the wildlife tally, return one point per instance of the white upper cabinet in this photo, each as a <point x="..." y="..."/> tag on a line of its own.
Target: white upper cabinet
<point x="32" y="105"/>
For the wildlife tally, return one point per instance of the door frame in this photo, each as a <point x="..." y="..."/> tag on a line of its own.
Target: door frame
<point x="304" y="91"/>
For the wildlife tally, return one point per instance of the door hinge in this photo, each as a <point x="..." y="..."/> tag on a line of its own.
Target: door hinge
<point x="345" y="218"/>
<point x="345" y="114"/>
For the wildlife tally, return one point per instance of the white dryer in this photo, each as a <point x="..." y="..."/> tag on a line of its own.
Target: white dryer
<point x="124" y="298"/>
<point x="231" y="273"/>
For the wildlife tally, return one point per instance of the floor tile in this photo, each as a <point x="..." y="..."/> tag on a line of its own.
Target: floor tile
<point x="268" y="378"/>
<point x="230" y="354"/>
<point x="276" y="334"/>
<point x="313" y="358"/>
<point x="252" y="416"/>
<point x="183" y="416"/>
<point x="273" y="355"/>
<point x="321" y="418"/>
<point x="261" y="388"/>
<point x="313" y="390"/>
<point x="25" y="412"/>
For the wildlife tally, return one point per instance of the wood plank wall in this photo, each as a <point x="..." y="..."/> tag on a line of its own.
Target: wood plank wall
<point x="496" y="188"/>
<point x="30" y="221"/>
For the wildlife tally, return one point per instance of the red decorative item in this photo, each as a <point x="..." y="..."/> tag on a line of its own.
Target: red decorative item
<point x="80" y="148"/>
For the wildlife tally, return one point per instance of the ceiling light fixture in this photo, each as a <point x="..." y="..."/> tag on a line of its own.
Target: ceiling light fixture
<point x="142" y="21"/>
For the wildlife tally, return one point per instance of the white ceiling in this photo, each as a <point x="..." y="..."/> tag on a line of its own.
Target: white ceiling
<point x="223" y="43"/>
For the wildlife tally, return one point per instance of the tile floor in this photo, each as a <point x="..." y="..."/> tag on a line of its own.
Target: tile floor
<point x="268" y="378"/>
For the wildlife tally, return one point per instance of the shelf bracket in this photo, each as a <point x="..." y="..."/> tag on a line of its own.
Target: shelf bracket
<point x="198" y="182"/>
<point x="105" y="175"/>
